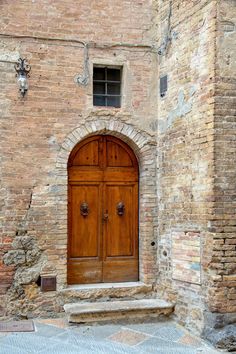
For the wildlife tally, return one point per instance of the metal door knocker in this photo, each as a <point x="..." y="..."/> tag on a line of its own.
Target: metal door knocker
<point x="120" y="208"/>
<point x="84" y="209"/>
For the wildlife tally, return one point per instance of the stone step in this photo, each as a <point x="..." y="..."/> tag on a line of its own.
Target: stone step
<point x="104" y="291"/>
<point x="86" y="312"/>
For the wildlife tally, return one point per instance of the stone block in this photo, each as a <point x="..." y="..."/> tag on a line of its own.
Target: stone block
<point x="224" y="338"/>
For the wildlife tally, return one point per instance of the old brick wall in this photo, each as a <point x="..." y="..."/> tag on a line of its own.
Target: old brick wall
<point x="186" y="203"/>
<point x="33" y="193"/>
<point x="222" y="295"/>
<point x="196" y="167"/>
<point x="185" y="154"/>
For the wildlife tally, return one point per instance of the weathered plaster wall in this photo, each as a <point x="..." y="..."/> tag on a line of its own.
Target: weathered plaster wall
<point x="185" y="155"/>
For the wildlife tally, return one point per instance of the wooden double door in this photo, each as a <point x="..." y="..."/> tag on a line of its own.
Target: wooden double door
<point x="103" y="212"/>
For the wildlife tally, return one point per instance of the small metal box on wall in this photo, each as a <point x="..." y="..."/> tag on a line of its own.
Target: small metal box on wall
<point x="163" y="85"/>
<point x="48" y="283"/>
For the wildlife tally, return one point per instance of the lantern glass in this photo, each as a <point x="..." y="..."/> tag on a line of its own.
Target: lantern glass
<point x="23" y="83"/>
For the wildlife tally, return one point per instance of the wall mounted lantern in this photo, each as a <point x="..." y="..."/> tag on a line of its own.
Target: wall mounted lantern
<point x="22" y="73"/>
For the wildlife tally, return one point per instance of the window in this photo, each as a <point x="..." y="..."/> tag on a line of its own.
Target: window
<point x="107" y="86"/>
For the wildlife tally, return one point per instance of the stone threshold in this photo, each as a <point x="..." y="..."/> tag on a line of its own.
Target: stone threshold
<point x="96" y="286"/>
<point x="102" y="291"/>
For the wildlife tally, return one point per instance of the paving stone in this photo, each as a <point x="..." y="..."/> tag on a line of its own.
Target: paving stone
<point x="26" y="342"/>
<point x="171" y="333"/>
<point x="149" y="328"/>
<point x="207" y="351"/>
<point x="128" y="337"/>
<point x="156" y="345"/>
<point x="190" y="340"/>
<point x="64" y="349"/>
<point x="99" y="331"/>
<point x="103" y="339"/>
<point x="87" y="345"/>
<point x="64" y="337"/>
<point x="58" y="322"/>
<point x="171" y="351"/>
<point x="47" y="331"/>
<point x="6" y="349"/>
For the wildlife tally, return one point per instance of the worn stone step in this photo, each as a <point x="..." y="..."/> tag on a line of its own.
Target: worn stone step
<point x="117" y="310"/>
<point x="93" y="292"/>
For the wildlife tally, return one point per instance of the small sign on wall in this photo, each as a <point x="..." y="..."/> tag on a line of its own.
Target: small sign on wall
<point x="186" y="256"/>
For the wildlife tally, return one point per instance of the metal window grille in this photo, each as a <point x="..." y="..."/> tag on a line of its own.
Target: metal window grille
<point x="107" y="86"/>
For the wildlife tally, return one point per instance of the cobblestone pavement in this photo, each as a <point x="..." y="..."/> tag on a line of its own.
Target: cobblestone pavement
<point x="55" y="336"/>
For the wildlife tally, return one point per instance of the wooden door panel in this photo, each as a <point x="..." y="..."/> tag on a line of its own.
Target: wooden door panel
<point x="117" y="156"/>
<point x="120" y="175"/>
<point x="88" y="155"/>
<point x="120" y="270"/>
<point x="102" y="172"/>
<point x="85" y="245"/>
<point x="85" y="230"/>
<point x="119" y="229"/>
<point x="77" y="174"/>
<point x="120" y="252"/>
<point x="84" y="272"/>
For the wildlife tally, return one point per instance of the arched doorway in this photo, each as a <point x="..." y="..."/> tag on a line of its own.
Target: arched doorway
<point x="102" y="212"/>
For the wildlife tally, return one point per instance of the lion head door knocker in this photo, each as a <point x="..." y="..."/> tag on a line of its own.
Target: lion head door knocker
<point x="120" y="208"/>
<point x="84" y="209"/>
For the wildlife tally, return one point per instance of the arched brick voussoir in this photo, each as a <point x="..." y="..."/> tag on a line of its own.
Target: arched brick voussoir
<point x="135" y="138"/>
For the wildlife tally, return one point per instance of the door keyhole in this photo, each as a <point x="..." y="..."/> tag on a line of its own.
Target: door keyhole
<point x="105" y="216"/>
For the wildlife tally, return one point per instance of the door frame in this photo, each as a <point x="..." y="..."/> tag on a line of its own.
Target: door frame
<point x="80" y="175"/>
<point x="144" y="146"/>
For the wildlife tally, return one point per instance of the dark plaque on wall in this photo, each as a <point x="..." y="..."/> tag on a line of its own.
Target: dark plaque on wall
<point x="163" y="85"/>
<point x="48" y="283"/>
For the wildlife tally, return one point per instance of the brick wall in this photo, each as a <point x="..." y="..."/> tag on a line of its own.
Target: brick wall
<point x="36" y="129"/>
<point x="196" y="169"/>
<point x="222" y="295"/>
<point x="184" y="142"/>
<point x="185" y="154"/>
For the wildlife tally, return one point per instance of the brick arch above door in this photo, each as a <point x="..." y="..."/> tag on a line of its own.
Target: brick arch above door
<point x="144" y="147"/>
